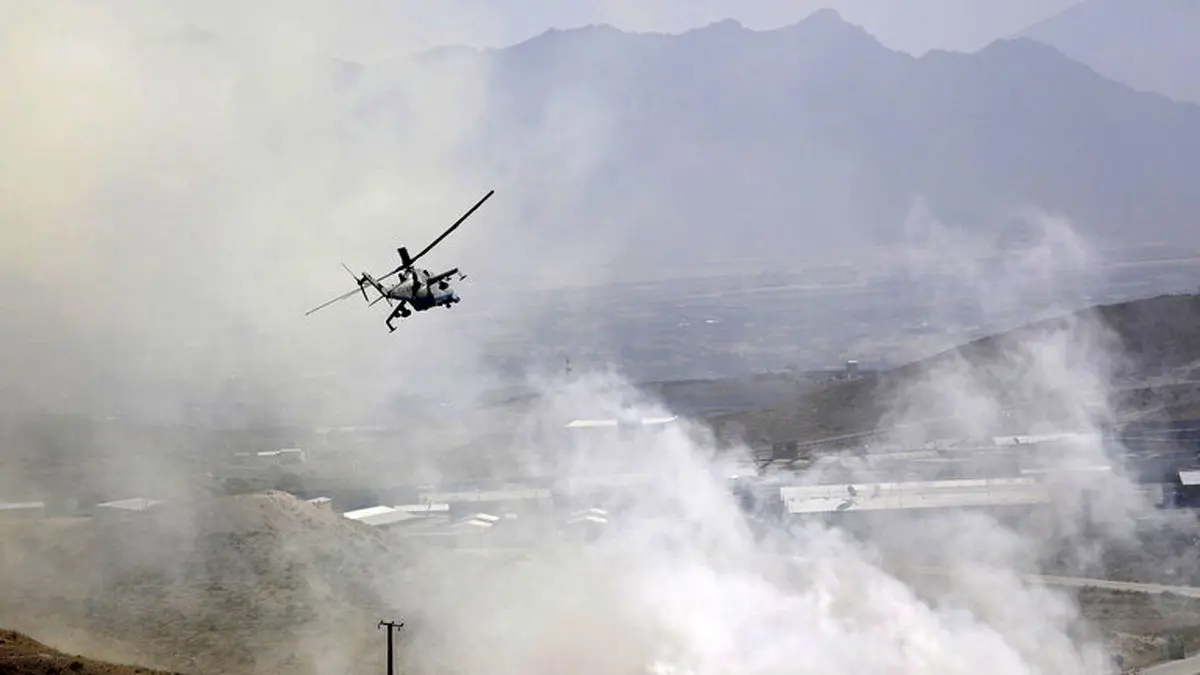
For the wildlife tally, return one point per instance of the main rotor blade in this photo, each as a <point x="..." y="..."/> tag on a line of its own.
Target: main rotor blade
<point x="339" y="298"/>
<point x="391" y="274"/>
<point x="412" y="261"/>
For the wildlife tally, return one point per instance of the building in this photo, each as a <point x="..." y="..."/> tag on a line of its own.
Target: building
<point x="281" y="456"/>
<point x="379" y="516"/>
<point x="1184" y="491"/>
<point x="851" y="369"/>
<point x="464" y="500"/>
<point x="13" y="510"/>
<point x="623" y="426"/>
<point x="986" y="493"/>
<point x="125" y="509"/>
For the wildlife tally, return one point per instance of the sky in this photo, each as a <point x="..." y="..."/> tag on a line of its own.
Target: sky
<point x="368" y="30"/>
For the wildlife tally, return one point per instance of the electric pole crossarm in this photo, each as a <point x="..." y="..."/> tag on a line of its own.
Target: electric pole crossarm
<point x="391" y="652"/>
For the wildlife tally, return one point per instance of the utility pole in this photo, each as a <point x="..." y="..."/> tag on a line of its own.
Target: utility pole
<point x="568" y="362"/>
<point x="391" y="653"/>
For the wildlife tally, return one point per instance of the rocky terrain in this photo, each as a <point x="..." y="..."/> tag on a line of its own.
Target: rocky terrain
<point x="22" y="655"/>
<point x="253" y="583"/>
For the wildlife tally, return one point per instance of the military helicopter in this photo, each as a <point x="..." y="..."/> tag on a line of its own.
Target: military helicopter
<point x="416" y="289"/>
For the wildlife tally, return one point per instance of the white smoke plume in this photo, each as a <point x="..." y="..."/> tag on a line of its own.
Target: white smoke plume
<point x="680" y="584"/>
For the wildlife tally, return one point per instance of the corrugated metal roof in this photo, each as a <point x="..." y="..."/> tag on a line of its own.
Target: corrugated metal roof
<point x="1077" y="436"/>
<point x="645" y="421"/>
<point x="474" y="522"/>
<point x="589" y="518"/>
<point x="378" y="516"/>
<point x="1068" y="468"/>
<point x="514" y="494"/>
<point x="914" y="495"/>
<point x="131" y="504"/>
<point x="367" y="512"/>
<point x="417" y="509"/>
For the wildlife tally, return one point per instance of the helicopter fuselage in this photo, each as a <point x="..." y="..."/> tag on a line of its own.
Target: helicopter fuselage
<point x="427" y="296"/>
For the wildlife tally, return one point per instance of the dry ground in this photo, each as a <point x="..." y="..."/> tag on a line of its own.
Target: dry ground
<point x="1137" y="625"/>
<point x="22" y="655"/>
<point x="246" y="584"/>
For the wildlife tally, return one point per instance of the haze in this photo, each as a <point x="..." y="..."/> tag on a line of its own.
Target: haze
<point x="690" y="190"/>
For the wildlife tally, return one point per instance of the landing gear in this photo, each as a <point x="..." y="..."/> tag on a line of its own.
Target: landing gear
<point x="402" y="312"/>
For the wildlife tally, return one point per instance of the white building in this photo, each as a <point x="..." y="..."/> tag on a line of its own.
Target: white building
<point x="281" y="456"/>
<point x="811" y="499"/>
<point x="22" y="509"/>
<point x="133" y="506"/>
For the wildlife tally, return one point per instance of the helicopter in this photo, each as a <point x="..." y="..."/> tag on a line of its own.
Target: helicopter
<point x="416" y="289"/>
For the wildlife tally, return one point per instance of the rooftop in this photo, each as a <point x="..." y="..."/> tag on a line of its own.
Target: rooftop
<point x="131" y="504"/>
<point x="379" y="516"/>
<point x="614" y="422"/>
<point x="914" y="495"/>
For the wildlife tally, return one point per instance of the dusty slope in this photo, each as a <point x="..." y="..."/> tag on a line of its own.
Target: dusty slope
<point x="22" y="655"/>
<point x="252" y="583"/>
<point x="1135" y="341"/>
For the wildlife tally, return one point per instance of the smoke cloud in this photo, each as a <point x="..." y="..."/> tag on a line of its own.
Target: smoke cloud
<point x="682" y="582"/>
<point x="176" y="199"/>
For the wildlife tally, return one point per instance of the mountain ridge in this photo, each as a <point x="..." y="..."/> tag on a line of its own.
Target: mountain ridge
<point x="813" y="138"/>
<point x="1146" y="45"/>
<point x="1016" y="123"/>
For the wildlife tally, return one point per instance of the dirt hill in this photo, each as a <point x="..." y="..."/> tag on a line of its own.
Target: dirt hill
<point x="22" y="655"/>
<point x="241" y="584"/>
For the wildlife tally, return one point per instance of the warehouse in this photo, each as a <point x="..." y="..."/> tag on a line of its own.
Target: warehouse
<point x="840" y="498"/>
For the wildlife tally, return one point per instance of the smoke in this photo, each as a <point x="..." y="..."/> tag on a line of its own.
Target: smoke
<point x="682" y="582"/>
<point x="679" y="584"/>
<point x="179" y="198"/>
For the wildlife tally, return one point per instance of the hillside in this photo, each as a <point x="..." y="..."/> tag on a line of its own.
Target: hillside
<point x="1146" y="44"/>
<point x="1122" y="358"/>
<point x="22" y="655"/>
<point x="252" y="583"/>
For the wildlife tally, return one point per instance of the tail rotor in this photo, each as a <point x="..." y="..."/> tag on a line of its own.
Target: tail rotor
<point x="361" y="281"/>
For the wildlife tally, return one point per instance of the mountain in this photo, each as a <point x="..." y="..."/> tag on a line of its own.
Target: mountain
<point x="1145" y="44"/>
<point x="806" y="140"/>
<point x="816" y="137"/>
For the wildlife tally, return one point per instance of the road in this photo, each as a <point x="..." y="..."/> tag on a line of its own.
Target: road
<point x="1077" y="582"/>
<point x="1081" y="582"/>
